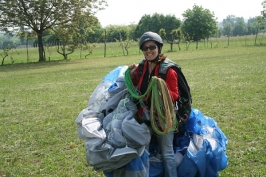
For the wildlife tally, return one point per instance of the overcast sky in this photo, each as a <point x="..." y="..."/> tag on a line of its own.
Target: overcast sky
<point x="125" y="12"/>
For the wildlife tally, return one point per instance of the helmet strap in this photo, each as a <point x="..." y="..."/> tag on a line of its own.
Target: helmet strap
<point x="159" y="46"/>
<point x="155" y="59"/>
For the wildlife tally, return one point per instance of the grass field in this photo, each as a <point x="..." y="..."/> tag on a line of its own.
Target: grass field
<point x="39" y="103"/>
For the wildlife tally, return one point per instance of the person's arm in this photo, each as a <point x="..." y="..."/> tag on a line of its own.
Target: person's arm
<point x="172" y="83"/>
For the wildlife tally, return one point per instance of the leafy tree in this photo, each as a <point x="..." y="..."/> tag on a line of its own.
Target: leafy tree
<point x="179" y="34"/>
<point x="240" y="27"/>
<point x="89" y="47"/>
<point x="28" y="35"/>
<point x="131" y="30"/>
<point x="45" y="14"/>
<point x="74" y="35"/>
<point x="65" y="42"/>
<point x="6" y="49"/>
<point x="252" y="25"/>
<point x="234" y="26"/>
<point x="125" y="44"/>
<point x="143" y="26"/>
<point x="155" y="23"/>
<point x="259" y="26"/>
<point x="228" y="26"/>
<point x="114" y="32"/>
<point x="81" y="33"/>
<point x="263" y="12"/>
<point x="174" y="39"/>
<point x="199" y="24"/>
<point x="50" y="39"/>
<point x="96" y="34"/>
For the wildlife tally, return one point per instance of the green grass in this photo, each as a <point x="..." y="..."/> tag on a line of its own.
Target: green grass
<point x="39" y="103"/>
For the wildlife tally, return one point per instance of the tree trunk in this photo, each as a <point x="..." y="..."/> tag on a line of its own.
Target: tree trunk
<point x="27" y="41"/>
<point x="3" y="59"/>
<point x="257" y="31"/>
<point x="171" y="46"/>
<point x="122" y="44"/>
<point x="104" y="43"/>
<point x="261" y="37"/>
<point x="178" y="44"/>
<point x="40" y="47"/>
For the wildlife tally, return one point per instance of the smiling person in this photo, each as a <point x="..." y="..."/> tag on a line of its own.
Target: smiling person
<point x="151" y="45"/>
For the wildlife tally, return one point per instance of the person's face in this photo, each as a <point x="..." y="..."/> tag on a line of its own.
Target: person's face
<point x="150" y="50"/>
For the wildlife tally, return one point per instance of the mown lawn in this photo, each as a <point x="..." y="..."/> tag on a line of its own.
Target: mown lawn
<point x="39" y="103"/>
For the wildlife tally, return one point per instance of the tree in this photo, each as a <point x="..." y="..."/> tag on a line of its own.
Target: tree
<point x="170" y="24"/>
<point x="179" y="34"/>
<point x="73" y="36"/>
<point x="96" y="35"/>
<point x="228" y="26"/>
<point x="240" y="28"/>
<point x="65" y="43"/>
<point x="155" y="23"/>
<point x="114" y="32"/>
<point x="6" y="49"/>
<point x="25" y="33"/>
<point x="251" y="25"/>
<point x="45" y="14"/>
<point x="127" y="43"/>
<point x="174" y="39"/>
<point x="143" y="26"/>
<point x="199" y="24"/>
<point x="263" y="12"/>
<point x="235" y="26"/>
<point x="259" y="26"/>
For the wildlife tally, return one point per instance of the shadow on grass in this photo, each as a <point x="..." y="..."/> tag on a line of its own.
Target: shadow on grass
<point x="35" y="65"/>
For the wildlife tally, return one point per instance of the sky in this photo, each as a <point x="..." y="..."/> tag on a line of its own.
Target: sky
<point x="126" y="12"/>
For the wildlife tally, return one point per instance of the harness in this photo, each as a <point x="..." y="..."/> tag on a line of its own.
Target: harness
<point x="185" y="99"/>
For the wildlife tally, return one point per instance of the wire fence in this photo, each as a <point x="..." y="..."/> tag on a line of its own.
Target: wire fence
<point x="29" y="53"/>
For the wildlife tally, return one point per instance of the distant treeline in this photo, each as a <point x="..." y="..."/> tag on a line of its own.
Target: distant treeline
<point x="232" y="25"/>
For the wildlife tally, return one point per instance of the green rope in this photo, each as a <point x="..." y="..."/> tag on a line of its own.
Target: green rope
<point x="132" y="89"/>
<point x="163" y="119"/>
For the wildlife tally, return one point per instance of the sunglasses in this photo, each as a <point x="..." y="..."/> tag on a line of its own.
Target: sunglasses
<point x="151" y="47"/>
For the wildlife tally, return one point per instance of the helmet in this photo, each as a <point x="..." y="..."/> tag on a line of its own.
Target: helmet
<point x="150" y="36"/>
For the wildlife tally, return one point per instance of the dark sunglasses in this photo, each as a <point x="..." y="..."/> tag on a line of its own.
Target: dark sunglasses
<point x="151" y="47"/>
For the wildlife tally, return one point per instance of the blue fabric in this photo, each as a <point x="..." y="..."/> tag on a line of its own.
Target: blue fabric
<point x="108" y="174"/>
<point x="204" y="161"/>
<point x="114" y="74"/>
<point x="201" y="158"/>
<point x="187" y="168"/>
<point x="145" y="160"/>
<point x="181" y="143"/>
<point x="157" y="169"/>
<point x="207" y="161"/>
<point x="197" y="124"/>
<point x="135" y="165"/>
<point x="155" y="164"/>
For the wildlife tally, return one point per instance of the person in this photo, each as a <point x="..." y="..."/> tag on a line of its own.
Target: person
<point x="151" y="45"/>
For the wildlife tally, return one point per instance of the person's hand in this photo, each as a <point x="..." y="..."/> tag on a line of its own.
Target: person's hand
<point x="133" y="68"/>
